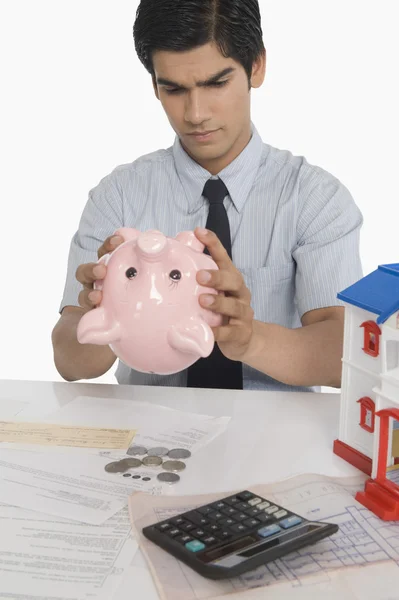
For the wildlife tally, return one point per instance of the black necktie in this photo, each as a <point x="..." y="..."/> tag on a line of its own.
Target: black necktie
<point x="216" y="371"/>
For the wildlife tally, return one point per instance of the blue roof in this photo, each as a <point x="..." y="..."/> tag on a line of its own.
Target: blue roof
<point x="378" y="292"/>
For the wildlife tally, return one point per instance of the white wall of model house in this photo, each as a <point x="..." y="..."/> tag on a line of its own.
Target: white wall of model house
<point x="367" y="376"/>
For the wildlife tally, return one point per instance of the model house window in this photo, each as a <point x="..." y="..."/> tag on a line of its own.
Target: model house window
<point x="372" y="334"/>
<point x="367" y="414"/>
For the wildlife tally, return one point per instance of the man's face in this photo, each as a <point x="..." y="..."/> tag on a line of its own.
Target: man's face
<point x="202" y="92"/>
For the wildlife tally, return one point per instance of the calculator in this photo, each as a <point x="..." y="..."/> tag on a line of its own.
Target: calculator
<point x="235" y="534"/>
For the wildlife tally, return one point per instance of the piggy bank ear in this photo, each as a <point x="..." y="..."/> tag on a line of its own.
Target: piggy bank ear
<point x="128" y="233"/>
<point x="188" y="238"/>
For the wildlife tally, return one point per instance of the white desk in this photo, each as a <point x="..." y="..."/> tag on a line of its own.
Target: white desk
<point x="284" y="433"/>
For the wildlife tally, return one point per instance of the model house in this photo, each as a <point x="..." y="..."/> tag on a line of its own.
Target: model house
<point x="369" y="418"/>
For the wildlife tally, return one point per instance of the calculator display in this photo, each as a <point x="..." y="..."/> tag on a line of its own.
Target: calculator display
<point x="228" y="549"/>
<point x="284" y="539"/>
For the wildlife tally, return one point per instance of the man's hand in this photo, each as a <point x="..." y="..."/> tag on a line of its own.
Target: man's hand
<point x="235" y="334"/>
<point x="88" y="273"/>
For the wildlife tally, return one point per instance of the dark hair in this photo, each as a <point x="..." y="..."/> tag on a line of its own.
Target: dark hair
<point x="181" y="25"/>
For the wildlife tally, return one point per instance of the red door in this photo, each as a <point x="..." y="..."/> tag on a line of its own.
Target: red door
<point x="384" y="416"/>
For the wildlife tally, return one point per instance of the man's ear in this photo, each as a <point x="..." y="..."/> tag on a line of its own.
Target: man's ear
<point x="259" y="71"/>
<point x="154" y="85"/>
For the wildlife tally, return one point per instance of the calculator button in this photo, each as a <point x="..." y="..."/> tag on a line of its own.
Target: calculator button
<point x="218" y="505"/>
<point x="214" y="527"/>
<point x="251" y="522"/>
<point x="269" y="530"/>
<point x="263" y="505"/>
<point x="195" y="546"/>
<point x="253" y="512"/>
<point x="240" y="516"/>
<point x="238" y="528"/>
<point x="243" y="506"/>
<point x="271" y="510"/>
<point x="232" y="501"/>
<point x="210" y="540"/>
<point x="290" y="522"/>
<point x="163" y="526"/>
<point x="224" y="535"/>
<point x="204" y="510"/>
<point x="173" y="532"/>
<point x="177" y="521"/>
<point x="264" y="518"/>
<point x="229" y="511"/>
<point x="216" y="516"/>
<point x="227" y="521"/>
<point x="197" y="518"/>
<point x="199" y="533"/>
<point x="280" y="514"/>
<point x="245" y="496"/>
<point x="254" y="501"/>
<point x="187" y="526"/>
<point x="183" y="539"/>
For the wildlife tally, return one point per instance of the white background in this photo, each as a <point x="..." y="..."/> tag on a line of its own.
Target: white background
<point x="76" y="102"/>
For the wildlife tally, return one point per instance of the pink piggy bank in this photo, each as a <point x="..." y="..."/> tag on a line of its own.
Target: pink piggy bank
<point x="150" y="314"/>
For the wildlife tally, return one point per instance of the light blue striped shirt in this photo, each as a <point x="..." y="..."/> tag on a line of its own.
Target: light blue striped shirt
<point x="294" y="230"/>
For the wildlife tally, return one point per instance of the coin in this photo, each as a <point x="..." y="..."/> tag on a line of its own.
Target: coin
<point x="179" y="453"/>
<point x="168" y="477"/>
<point x="115" y="467"/>
<point x="146" y="478"/>
<point x="131" y="463"/>
<point x="136" y="451"/>
<point x="158" y="451"/>
<point x="136" y="476"/>
<point x="152" y="461"/>
<point x="126" y="475"/>
<point x="173" y="465"/>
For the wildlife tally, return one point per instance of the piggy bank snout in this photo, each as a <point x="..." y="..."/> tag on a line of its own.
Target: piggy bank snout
<point x="151" y="244"/>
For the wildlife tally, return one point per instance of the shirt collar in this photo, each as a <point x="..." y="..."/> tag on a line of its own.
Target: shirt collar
<point x="238" y="176"/>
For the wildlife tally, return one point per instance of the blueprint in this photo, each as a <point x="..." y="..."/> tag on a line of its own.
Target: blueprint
<point x="360" y="561"/>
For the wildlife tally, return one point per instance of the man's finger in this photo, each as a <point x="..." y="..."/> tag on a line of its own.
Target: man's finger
<point x="216" y="249"/>
<point x="226" y="280"/>
<point x="109" y="245"/>
<point x="228" y="306"/>
<point x="88" y="273"/>
<point x="88" y="299"/>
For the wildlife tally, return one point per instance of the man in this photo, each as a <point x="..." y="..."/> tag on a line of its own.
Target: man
<point x="294" y="228"/>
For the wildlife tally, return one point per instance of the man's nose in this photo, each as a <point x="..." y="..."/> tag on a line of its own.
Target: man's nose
<point x="196" y="110"/>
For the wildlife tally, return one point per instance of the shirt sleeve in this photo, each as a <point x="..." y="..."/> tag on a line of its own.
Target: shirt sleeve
<point x="101" y="217"/>
<point x="327" y="252"/>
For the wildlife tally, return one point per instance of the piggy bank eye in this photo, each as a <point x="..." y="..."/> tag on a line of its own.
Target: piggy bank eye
<point x="131" y="273"/>
<point x="175" y="275"/>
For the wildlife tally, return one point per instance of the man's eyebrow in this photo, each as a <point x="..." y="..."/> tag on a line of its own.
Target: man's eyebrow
<point x="213" y="79"/>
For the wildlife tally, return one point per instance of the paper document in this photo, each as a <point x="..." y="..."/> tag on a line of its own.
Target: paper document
<point x="11" y="408"/>
<point x="359" y="562"/>
<point x="48" y="557"/>
<point x="154" y="424"/>
<point x="66" y="485"/>
<point x="71" y="481"/>
<point x="65" y="435"/>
